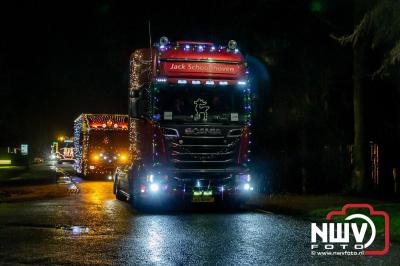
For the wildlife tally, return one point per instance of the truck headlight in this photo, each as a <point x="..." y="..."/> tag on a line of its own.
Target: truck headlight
<point x="154" y="187"/>
<point x="247" y="187"/>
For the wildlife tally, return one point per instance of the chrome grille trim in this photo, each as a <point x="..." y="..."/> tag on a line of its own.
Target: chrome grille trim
<point x="182" y="161"/>
<point x="203" y="153"/>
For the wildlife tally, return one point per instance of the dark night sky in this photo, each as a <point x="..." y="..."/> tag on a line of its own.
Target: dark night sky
<point x="60" y="59"/>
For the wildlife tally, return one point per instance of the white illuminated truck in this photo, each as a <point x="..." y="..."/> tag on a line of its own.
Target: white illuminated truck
<point x="66" y="151"/>
<point x="101" y="144"/>
<point x="190" y="130"/>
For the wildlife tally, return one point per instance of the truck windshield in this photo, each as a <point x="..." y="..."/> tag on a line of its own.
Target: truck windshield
<point x="200" y="104"/>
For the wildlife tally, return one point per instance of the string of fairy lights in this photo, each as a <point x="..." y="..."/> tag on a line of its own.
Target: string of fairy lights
<point x="105" y="118"/>
<point x="77" y="143"/>
<point x="140" y="77"/>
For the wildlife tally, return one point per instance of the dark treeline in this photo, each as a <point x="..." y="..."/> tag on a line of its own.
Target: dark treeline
<point x="329" y="122"/>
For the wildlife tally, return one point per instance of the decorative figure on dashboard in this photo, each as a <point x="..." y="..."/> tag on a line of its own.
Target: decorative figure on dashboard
<point x="201" y="109"/>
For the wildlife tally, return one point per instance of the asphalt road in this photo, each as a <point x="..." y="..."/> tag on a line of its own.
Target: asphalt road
<point x="90" y="227"/>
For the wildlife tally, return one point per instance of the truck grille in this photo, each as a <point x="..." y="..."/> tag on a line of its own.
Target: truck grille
<point x="216" y="152"/>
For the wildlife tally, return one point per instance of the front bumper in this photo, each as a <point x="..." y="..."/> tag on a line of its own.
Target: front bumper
<point x="197" y="186"/>
<point x="101" y="171"/>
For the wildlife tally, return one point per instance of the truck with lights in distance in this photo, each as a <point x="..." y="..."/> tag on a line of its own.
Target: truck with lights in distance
<point x="63" y="150"/>
<point x="190" y="128"/>
<point x="101" y="144"/>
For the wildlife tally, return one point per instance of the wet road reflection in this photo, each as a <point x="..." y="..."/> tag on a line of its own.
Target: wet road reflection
<point x="92" y="228"/>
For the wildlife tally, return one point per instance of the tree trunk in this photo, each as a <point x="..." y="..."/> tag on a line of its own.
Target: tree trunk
<point x="360" y="151"/>
<point x="360" y="175"/>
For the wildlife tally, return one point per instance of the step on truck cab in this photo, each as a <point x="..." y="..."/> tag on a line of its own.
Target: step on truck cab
<point x="190" y="124"/>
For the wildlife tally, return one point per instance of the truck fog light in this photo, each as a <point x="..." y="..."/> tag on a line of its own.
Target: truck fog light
<point x="154" y="187"/>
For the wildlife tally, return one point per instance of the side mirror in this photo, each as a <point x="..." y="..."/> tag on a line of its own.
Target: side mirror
<point x="134" y="94"/>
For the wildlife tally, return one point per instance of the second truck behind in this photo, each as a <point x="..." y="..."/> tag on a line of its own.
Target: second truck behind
<point x="101" y="144"/>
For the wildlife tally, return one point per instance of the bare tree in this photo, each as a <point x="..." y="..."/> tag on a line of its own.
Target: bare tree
<point x="377" y="24"/>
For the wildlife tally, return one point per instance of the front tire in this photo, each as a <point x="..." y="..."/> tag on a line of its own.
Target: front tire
<point x="117" y="192"/>
<point x="135" y="200"/>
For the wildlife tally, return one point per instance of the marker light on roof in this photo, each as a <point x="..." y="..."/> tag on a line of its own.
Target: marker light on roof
<point x="195" y="82"/>
<point x="163" y="41"/>
<point x="223" y="83"/>
<point x="232" y="45"/>
<point x="161" y="80"/>
<point x="209" y="82"/>
<point x="182" y="81"/>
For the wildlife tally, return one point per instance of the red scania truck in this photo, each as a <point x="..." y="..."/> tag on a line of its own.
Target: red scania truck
<point x="190" y="130"/>
<point x="101" y="144"/>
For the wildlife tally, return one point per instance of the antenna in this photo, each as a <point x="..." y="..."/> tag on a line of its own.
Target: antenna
<point x="149" y="34"/>
<point x="150" y="50"/>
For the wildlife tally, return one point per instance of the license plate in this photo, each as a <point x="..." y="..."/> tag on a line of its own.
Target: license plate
<point x="203" y="199"/>
<point x="205" y="196"/>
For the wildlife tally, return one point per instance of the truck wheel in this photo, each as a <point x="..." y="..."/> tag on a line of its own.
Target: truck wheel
<point x="117" y="193"/>
<point x="137" y="204"/>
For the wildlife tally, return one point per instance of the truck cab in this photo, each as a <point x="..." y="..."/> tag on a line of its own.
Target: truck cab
<point x="190" y="124"/>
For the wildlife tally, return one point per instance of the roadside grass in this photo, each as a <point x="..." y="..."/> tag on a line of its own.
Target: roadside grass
<point x="304" y="204"/>
<point x="10" y="171"/>
<point x="36" y="192"/>
<point x="34" y="174"/>
<point x="34" y="183"/>
<point x="316" y="207"/>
